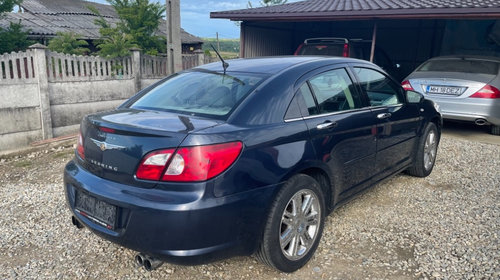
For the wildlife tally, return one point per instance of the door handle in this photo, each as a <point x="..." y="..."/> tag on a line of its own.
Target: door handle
<point x="383" y="116"/>
<point x="325" y="125"/>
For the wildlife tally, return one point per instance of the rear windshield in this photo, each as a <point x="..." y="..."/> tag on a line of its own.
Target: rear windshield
<point x="322" y="49"/>
<point x="463" y="66"/>
<point x="210" y="94"/>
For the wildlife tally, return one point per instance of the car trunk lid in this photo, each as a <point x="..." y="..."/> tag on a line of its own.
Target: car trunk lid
<point x="449" y="84"/>
<point x="115" y="142"/>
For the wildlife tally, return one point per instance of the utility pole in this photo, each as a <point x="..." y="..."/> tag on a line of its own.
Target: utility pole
<point x="218" y="45"/>
<point x="174" y="48"/>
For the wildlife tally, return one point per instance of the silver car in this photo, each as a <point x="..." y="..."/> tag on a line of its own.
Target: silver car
<point x="466" y="88"/>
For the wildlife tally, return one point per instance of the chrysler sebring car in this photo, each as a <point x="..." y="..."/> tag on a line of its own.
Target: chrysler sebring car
<point x="245" y="157"/>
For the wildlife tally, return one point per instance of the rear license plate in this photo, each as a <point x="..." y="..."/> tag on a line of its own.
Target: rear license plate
<point x="98" y="211"/>
<point x="444" y="90"/>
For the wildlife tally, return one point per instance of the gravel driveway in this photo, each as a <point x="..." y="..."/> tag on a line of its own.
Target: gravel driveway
<point x="445" y="226"/>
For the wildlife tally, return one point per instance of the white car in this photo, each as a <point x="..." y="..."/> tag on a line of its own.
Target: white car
<point x="465" y="87"/>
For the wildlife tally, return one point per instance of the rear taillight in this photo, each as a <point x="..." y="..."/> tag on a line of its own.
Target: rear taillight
<point x="406" y="85"/>
<point x="189" y="164"/>
<point x="487" y="92"/>
<point x="79" y="148"/>
<point x="298" y="49"/>
<point x="153" y="165"/>
<point x="345" y="53"/>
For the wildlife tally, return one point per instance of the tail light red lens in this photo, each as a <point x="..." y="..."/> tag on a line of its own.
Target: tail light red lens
<point x="153" y="165"/>
<point x="406" y="85"/>
<point x="79" y="147"/>
<point x="345" y="53"/>
<point x="189" y="164"/>
<point x="487" y="92"/>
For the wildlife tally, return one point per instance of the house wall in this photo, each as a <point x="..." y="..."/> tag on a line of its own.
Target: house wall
<point x="45" y="94"/>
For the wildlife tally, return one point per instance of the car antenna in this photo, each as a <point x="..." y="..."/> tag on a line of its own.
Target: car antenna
<point x="224" y="64"/>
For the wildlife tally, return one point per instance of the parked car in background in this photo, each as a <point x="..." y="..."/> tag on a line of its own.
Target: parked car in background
<point x="245" y="156"/>
<point x="465" y="87"/>
<point x="355" y="48"/>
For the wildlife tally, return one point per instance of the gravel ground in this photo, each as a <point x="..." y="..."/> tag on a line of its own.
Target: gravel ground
<point x="445" y="226"/>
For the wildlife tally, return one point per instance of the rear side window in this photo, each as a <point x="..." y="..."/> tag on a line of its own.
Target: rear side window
<point x="210" y="94"/>
<point x="334" y="91"/>
<point x="461" y="65"/>
<point x="380" y="89"/>
<point x="302" y="105"/>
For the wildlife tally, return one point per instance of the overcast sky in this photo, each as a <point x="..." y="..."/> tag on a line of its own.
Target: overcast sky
<point x="195" y="16"/>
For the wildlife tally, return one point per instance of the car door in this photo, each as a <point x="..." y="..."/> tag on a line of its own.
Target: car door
<point x="397" y="121"/>
<point x="341" y="128"/>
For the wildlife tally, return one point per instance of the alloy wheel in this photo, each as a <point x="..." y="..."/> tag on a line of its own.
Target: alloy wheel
<point x="430" y="150"/>
<point x="300" y="224"/>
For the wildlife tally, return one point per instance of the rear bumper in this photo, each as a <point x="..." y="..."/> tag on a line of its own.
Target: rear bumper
<point x="469" y="109"/>
<point x="179" y="226"/>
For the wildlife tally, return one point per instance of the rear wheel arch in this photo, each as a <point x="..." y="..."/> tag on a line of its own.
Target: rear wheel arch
<point x="292" y="231"/>
<point x="437" y="121"/>
<point x="325" y="183"/>
<point x="324" y="179"/>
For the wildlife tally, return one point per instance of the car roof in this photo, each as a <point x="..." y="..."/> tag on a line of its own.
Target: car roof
<point x="270" y="65"/>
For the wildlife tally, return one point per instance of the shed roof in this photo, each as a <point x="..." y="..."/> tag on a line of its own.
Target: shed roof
<point x="366" y="9"/>
<point x="45" y="18"/>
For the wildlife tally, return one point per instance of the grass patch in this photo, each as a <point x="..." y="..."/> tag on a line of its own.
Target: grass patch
<point x="23" y="163"/>
<point x="62" y="154"/>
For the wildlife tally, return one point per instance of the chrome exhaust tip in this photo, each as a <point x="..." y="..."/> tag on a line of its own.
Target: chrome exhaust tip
<point x="152" y="263"/>
<point x="481" y="122"/>
<point x="149" y="263"/>
<point x="139" y="259"/>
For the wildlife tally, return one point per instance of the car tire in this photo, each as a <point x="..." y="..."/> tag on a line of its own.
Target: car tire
<point x="291" y="237"/>
<point x="425" y="157"/>
<point x="495" y="129"/>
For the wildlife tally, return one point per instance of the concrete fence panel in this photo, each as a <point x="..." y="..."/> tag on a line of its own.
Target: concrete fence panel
<point x="45" y="94"/>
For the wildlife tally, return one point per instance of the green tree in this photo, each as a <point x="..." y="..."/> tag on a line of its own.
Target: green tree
<point x="8" y="5"/>
<point x="113" y="42"/>
<point x="139" y="20"/>
<point x="14" y="38"/>
<point x="68" y="42"/>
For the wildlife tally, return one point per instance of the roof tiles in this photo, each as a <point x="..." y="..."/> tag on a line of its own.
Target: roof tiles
<point x="345" y="8"/>
<point x="47" y="17"/>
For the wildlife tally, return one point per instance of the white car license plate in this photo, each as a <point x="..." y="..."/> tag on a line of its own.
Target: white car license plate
<point x="444" y="90"/>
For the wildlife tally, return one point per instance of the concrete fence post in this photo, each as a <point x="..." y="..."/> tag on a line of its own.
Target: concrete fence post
<point x="40" y="65"/>
<point x="174" y="47"/>
<point x="136" y="68"/>
<point x="200" y="56"/>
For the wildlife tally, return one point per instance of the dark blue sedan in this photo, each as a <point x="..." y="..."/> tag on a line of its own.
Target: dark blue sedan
<point x="214" y="162"/>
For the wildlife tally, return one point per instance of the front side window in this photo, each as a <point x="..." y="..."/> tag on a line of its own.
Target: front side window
<point x="381" y="90"/>
<point x="334" y="91"/>
<point x="210" y="94"/>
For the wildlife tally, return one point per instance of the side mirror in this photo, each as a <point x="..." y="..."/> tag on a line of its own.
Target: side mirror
<point x="414" y="97"/>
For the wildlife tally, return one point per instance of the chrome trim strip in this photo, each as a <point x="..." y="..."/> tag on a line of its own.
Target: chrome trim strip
<point x="294" y="120"/>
